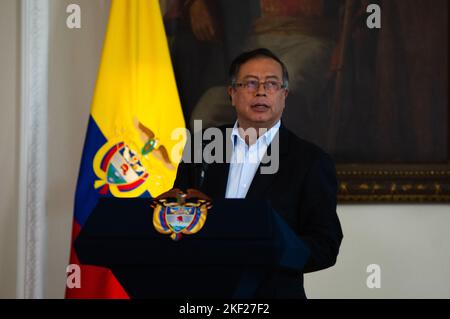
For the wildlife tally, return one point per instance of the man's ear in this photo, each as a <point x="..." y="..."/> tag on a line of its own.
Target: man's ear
<point x="230" y="94"/>
<point x="286" y="93"/>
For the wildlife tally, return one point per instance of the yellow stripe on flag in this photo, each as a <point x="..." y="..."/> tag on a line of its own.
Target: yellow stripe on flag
<point x="136" y="93"/>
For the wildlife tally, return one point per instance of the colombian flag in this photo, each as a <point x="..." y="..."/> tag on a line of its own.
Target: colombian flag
<point x="129" y="149"/>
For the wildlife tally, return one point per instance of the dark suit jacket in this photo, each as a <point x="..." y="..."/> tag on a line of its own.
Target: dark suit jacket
<point x="302" y="191"/>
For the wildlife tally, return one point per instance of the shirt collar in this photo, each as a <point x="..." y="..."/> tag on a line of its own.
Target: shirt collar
<point x="266" y="137"/>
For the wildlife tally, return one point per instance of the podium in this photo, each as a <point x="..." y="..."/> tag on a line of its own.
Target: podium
<point x="240" y="244"/>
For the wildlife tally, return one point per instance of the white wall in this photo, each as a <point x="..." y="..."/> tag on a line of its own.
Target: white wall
<point x="9" y="139"/>
<point x="411" y="243"/>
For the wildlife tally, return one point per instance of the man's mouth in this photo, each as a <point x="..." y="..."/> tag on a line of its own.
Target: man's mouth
<point x="260" y="107"/>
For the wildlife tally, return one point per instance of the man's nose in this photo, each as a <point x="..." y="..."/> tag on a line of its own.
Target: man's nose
<point x="261" y="91"/>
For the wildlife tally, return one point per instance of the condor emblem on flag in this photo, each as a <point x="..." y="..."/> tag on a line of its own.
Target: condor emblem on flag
<point x="121" y="169"/>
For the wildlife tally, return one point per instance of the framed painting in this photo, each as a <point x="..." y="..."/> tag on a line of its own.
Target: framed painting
<point x="373" y="95"/>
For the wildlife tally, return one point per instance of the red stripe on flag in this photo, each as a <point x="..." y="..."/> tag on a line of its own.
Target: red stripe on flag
<point x="96" y="282"/>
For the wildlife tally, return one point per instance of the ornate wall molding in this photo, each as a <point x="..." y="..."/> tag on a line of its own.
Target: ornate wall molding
<point x="394" y="183"/>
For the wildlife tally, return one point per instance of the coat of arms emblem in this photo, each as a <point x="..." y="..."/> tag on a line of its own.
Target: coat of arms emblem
<point x="121" y="166"/>
<point x="179" y="217"/>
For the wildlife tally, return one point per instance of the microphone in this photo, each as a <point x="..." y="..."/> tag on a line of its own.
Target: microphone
<point x="203" y="170"/>
<point x="202" y="174"/>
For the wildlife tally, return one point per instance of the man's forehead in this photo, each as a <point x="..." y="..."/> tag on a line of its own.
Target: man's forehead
<point x="258" y="77"/>
<point x="261" y="67"/>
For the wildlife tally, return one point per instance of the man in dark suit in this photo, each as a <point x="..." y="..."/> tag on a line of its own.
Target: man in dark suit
<point x="301" y="189"/>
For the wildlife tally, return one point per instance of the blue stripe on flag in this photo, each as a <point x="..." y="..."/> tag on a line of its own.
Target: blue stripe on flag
<point x="86" y="195"/>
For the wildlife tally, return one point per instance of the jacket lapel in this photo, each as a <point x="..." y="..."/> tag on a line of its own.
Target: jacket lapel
<point x="216" y="181"/>
<point x="217" y="174"/>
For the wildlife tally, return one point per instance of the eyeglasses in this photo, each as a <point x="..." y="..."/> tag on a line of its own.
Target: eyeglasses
<point x="253" y="86"/>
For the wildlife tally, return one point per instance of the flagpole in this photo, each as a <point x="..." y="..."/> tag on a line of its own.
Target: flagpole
<point x="31" y="241"/>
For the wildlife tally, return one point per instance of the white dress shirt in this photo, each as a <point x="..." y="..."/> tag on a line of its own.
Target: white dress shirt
<point x="245" y="160"/>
